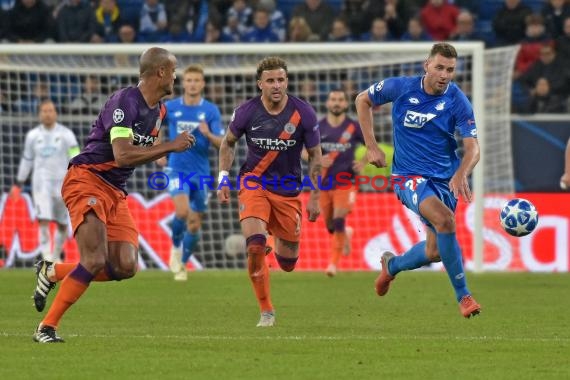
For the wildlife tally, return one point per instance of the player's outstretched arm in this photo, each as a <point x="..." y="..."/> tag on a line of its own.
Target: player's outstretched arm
<point x="458" y="183"/>
<point x="128" y="155"/>
<point x="227" y="155"/>
<point x="374" y="154"/>
<point x="315" y="169"/>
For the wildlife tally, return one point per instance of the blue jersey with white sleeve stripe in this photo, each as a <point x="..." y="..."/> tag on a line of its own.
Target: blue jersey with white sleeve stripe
<point x="424" y="125"/>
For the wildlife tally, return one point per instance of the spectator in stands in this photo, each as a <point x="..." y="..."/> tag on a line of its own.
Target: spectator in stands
<point x="187" y="19"/>
<point x="542" y="100"/>
<point x="415" y="32"/>
<point x="28" y="21"/>
<point x="234" y="29"/>
<point x="358" y="15"/>
<point x="108" y="17"/>
<point x="378" y="32"/>
<point x="340" y="31"/>
<point x="319" y="16"/>
<point x="127" y="35"/>
<point x="177" y="34"/>
<point x="509" y="22"/>
<point x="554" y="13"/>
<point x="261" y="30"/>
<point x="396" y="14"/>
<point x="76" y="22"/>
<point x="214" y="32"/>
<point x="153" y="22"/>
<point x="439" y="19"/>
<point x="465" y="30"/>
<point x="90" y="100"/>
<point x="276" y="18"/>
<point x="300" y="31"/>
<point x="563" y="43"/>
<point x="550" y="67"/>
<point x="530" y="46"/>
<point x="242" y="13"/>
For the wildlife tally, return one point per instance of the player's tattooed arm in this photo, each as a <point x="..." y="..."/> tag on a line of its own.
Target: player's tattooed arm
<point x="227" y="155"/>
<point x="227" y="151"/>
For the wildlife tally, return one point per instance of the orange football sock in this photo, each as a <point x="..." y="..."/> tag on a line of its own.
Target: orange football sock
<point x="72" y="287"/>
<point x="337" y="246"/>
<point x="259" y="275"/>
<point x="63" y="269"/>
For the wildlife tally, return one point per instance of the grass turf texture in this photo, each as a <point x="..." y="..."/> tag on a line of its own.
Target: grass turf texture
<point x="151" y="327"/>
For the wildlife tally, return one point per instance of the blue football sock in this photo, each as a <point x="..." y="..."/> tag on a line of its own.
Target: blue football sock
<point x="450" y="254"/>
<point x="414" y="258"/>
<point x="188" y="245"/>
<point x="178" y="227"/>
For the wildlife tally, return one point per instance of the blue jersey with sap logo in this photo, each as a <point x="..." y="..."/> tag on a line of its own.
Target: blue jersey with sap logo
<point x="424" y="125"/>
<point x="182" y="117"/>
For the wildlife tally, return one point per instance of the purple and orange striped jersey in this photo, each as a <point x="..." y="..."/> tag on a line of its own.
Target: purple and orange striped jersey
<point x="275" y="142"/>
<point x="339" y="143"/>
<point x="124" y="108"/>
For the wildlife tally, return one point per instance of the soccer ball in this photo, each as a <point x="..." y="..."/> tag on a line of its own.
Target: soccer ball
<point x="519" y="217"/>
<point x="235" y="245"/>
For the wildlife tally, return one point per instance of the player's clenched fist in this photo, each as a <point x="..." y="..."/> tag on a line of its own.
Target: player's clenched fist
<point x="183" y="141"/>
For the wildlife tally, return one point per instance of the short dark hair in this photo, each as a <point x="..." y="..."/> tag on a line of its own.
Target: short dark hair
<point x="270" y="63"/>
<point x="444" y="49"/>
<point x="341" y="91"/>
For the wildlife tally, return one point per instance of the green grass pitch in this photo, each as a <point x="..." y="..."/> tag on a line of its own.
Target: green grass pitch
<point x="151" y="327"/>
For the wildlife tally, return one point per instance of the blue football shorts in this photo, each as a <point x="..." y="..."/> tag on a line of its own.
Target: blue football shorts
<point x="415" y="190"/>
<point x="197" y="192"/>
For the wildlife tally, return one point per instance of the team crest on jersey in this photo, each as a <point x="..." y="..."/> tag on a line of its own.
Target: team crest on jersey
<point x="118" y="115"/>
<point x="177" y="113"/>
<point x="440" y="106"/>
<point x="346" y="135"/>
<point x="201" y="116"/>
<point x="289" y="128"/>
<point x="414" y="100"/>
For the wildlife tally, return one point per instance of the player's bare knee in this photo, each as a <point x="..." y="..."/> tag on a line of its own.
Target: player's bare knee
<point x="125" y="273"/>
<point x="445" y="222"/>
<point x="93" y="262"/>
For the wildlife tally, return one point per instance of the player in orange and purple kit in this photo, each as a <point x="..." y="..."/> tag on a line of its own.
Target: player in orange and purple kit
<point x="276" y="126"/>
<point x="122" y="137"/>
<point x="340" y="135"/>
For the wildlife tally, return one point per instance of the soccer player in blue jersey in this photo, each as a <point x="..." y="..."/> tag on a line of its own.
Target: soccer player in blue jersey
<point x="94" y="189"/>
<point x="426" y="112"/>
<point x="193" y="114"/>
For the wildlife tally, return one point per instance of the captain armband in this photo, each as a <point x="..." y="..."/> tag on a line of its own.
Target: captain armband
<point x="121" y="132"/>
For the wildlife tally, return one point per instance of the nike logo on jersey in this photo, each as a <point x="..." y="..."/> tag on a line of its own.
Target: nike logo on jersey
<point x="255" y="128"/>
<point x="416" y="119"/>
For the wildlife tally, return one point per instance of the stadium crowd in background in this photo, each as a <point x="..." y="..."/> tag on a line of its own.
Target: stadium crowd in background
<point x="531" y="23"/>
